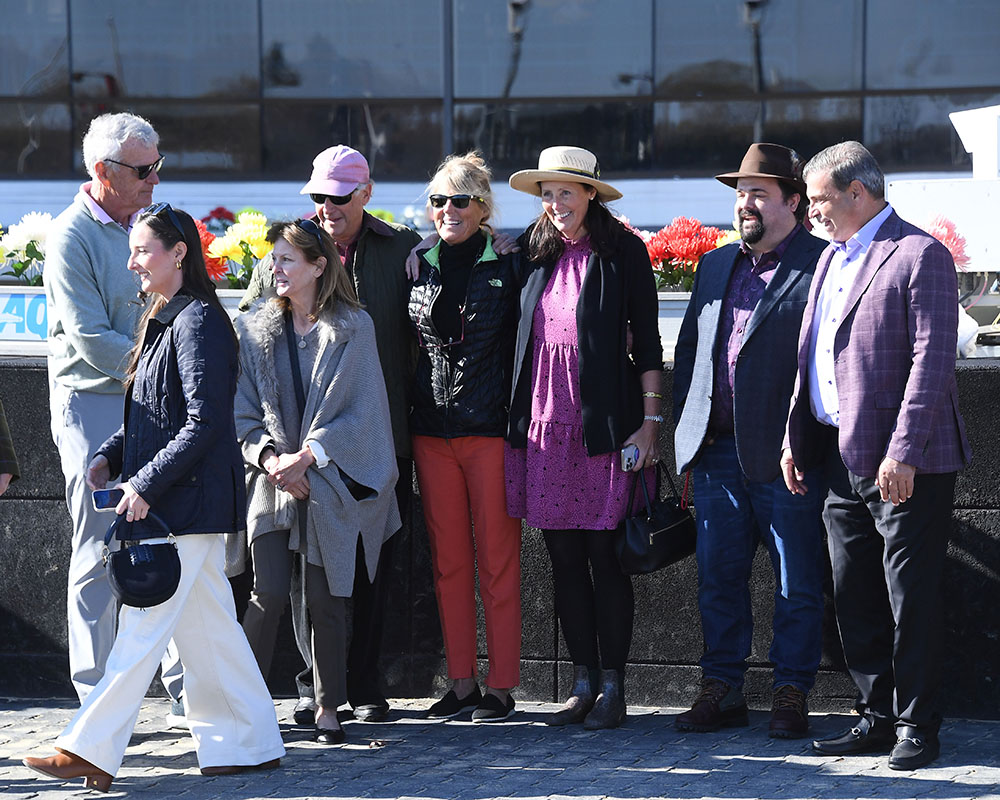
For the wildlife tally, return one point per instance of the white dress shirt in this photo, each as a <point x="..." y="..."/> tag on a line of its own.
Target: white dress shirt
<point x="830" y="308"/>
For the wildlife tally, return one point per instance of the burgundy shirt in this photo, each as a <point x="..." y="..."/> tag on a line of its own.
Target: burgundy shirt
<point x="746" y="286"/>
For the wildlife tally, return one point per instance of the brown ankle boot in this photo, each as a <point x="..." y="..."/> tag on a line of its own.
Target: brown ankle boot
<point x="580" y="701"/>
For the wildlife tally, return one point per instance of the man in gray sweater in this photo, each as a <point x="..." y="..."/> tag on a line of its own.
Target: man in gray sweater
<point x="92" y="314"/>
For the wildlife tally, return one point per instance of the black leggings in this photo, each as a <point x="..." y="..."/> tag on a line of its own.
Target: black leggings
<point x="594" y="599"/>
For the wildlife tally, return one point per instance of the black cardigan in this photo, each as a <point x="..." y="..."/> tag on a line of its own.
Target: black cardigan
<point x="617" y="293"/>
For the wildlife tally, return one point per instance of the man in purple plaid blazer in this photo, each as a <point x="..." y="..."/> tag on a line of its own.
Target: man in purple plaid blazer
<point x="876" y="404"/>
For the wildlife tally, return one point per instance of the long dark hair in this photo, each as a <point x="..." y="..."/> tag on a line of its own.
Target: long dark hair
<point x="545" y="243"/>
<point x="195" y="280"/>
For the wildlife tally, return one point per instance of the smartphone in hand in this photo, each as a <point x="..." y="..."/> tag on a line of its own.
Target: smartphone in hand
<point x="107" y="499"/>
<point x="630" y="457"/>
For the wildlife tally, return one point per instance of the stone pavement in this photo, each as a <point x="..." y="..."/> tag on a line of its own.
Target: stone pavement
<point x="415" y="758"/>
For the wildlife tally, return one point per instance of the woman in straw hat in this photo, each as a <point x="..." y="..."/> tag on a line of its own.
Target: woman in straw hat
<point x="579" y="398"/>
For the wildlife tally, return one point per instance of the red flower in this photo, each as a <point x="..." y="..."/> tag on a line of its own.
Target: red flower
<point x="219" y="212"/>
<point x="943" y="229"/>
<point x="215" y="267"/>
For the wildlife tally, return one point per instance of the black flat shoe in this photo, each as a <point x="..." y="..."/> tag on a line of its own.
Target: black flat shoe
<point x="493" y="709"/>
<point x="330" y="736"/>
<point x="914" y="749"/>
<point x="866" y="737"/>
<point x="451" y="706"/>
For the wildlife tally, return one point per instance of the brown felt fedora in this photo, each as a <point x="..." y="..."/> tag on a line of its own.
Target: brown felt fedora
<point x="765" y="160"/>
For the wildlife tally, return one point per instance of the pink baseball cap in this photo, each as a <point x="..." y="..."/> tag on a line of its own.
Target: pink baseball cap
<point x="337" y="171"/>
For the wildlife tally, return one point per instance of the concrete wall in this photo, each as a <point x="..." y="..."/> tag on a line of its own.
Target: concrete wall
<point x="34" y="550"/>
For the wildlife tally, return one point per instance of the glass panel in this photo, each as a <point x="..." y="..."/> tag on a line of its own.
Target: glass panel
<point x="401" y="141"/>
<point x="36" y="65"/>
<point x="933" y="44"/>
<point x="707" y="48"/>
<point x="697" y="139"/>
<point x="198" y="140"/>
<point x="34" y="139"/>
<point x="511" y="137"/>
<point x="352" y="48"/>
<point x="913" y="132"/>
<point x="552" y="48"/>
<point x="184" y="48"/>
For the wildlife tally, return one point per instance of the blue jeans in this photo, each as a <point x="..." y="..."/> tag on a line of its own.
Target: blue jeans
<point x="734" y="514"/>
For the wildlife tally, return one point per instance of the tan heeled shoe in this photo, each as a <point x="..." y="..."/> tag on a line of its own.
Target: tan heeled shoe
<point x="66" y="766"/>
<point x="212" y="772"/>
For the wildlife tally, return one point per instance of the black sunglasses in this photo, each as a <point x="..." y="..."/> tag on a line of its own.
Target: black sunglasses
<point x="312" y="228"/>
<point x="336" y="199"/>
<point x="158" y="208"/>
<point x="143" y="171"/>
<point x="457" y="200"/>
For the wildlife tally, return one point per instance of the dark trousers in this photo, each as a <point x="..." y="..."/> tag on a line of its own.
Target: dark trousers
<point x="368" y="611"/>
<point x="594" y="599"/>
<point x="887" y="563"/>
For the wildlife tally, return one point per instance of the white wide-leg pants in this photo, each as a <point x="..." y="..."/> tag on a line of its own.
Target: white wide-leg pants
<point x="229" y="710"/>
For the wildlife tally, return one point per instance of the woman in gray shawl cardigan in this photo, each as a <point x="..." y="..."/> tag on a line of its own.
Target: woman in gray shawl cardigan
<point x="320" y="463"/>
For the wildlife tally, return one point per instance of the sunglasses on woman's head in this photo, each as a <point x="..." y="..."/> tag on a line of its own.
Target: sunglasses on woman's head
<point x="457" y="200"/>
<point x="158" y="208"/>
<point x="144" y="170"/>
<point x="311" y="228"/>
<point x="336" y="199"/>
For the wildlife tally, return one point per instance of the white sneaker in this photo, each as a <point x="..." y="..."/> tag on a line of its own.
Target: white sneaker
<point x="176" y="718"/>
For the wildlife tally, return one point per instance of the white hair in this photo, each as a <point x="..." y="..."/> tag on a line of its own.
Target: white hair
<point x="108" y="133"/>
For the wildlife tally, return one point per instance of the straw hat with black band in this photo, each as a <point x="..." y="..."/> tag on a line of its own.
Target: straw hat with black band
<point x="573" y="164"/>
<point x="764" y="160"/>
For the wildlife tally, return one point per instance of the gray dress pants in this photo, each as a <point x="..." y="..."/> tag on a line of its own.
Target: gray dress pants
<point x="272" y="571"/>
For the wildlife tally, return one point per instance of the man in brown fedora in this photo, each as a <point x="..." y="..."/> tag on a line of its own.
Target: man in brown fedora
<point x="734" y="370"/>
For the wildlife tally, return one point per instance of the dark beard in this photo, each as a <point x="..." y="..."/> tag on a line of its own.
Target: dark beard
<point x="755" y="233"/>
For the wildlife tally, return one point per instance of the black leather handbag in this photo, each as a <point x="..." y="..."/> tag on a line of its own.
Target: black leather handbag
<point x="146" y="573"/>
<point x="661" y="533"/>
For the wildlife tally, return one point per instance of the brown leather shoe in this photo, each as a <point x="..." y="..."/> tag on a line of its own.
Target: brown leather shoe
<point x="789" y="714"/>
<point x="66" y="766"/>
<point x="212" y="772"/>
<point x="719" y="705"/>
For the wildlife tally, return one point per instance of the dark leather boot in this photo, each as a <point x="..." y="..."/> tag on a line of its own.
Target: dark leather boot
<point x="580" y="701"/>
<point x="609" y="708"/>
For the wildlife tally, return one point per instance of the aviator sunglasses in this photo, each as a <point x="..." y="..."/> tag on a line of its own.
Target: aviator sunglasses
<point x="143" y="171"/>
<point x="457" y="200"/>
<point x="158" y="208"/>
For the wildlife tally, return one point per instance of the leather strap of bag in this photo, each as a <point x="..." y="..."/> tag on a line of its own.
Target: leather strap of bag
<point x="661" y="471"/>
<point x="149" y="515"/>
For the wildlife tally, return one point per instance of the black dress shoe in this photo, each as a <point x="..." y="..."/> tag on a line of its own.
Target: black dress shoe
<point x="451" y="705"/>
<point x="914" y="749"/>
<point x="867" y="736"/>
<point x="330" y="736"/>
<point x="305" y="711"/>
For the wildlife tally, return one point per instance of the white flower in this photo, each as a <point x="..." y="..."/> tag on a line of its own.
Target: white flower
<point x="33" y="227"/>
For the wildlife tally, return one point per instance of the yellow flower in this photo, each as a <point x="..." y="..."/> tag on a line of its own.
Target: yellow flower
<point x="260" y="247"/>
<point x="226" y="247"/>
<point x="727" y="237"/>
<point x="252" y="218"/>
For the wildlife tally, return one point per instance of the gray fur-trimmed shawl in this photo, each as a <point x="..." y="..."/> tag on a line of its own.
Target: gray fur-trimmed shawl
<point x="346" y="412"/>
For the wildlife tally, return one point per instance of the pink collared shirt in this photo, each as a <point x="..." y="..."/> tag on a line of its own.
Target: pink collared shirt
<point x="840" y="276"/>
<point x="99" y="213"/>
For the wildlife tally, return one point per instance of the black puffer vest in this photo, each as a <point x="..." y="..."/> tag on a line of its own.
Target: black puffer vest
<point x="462" y="389"/>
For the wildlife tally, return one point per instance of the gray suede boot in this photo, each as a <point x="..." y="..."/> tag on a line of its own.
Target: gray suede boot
<point x="580" y="701"/>
<point x="609" y="708"/>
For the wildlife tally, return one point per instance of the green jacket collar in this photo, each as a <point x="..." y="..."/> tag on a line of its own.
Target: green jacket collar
<point x="433" y="256"/>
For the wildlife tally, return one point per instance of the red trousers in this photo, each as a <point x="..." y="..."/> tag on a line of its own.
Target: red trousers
<point x="462" y="487"/>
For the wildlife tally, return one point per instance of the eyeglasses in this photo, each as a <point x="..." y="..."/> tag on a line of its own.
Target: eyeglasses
<point x="457" y="200"/>
<point x="143" y="171"/>
<point x="312" y="228"/>
<point x="336" y="199"/>
<point x="158" y="208"/>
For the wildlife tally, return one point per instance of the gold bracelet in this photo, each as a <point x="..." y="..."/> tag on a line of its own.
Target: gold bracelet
<point x="652" y="394"/>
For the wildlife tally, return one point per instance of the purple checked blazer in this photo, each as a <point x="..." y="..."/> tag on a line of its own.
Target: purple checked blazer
<point x="894" y="359"/>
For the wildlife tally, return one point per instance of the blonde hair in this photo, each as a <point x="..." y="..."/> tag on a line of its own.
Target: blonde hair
<point x="465" y="174"/>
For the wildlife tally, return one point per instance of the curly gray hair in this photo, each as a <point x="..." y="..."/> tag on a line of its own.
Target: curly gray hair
<point x="108" y="133"/>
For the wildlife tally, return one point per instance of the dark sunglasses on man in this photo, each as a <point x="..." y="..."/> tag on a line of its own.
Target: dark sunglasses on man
<point x="336" y="199"/>
<point x="457" y="200"/>
<point x="144" y="170"/>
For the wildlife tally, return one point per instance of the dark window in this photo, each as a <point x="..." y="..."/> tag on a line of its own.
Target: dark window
<point x="33" y="55"/>
<point x="402" y="141"/>
<point x="35" y="139"/>
<point x="351" y="48"/>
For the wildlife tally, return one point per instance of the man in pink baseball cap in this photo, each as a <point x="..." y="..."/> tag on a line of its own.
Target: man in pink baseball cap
<point x="374" y="253"/>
